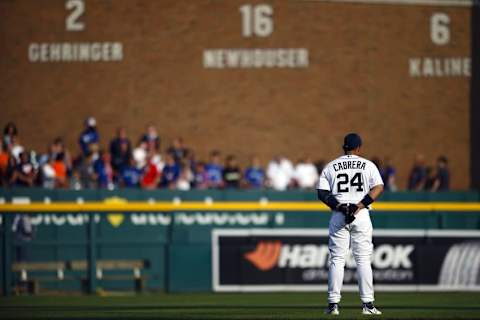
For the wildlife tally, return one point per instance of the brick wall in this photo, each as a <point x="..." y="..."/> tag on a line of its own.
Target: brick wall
<point x="357" y="79"/>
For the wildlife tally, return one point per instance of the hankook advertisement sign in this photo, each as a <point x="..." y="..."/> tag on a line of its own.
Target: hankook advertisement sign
<point x="297" y="260"/>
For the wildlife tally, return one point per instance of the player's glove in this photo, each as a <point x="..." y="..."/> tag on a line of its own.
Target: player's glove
<point x="348" y="209"/>
<point x="352" y="208"/>
<point x="343" y="208"/>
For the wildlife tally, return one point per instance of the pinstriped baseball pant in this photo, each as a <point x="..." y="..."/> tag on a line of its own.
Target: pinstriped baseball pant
<point x="358" y="236"/>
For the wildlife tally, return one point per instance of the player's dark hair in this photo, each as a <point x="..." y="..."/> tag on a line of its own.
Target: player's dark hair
<point x="351" y="142"/>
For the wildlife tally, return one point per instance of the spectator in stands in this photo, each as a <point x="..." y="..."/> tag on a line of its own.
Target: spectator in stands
<point x="140" y="154"/>
<point x="9" y="132"/>
<point x="151" y="137"/>
<point x="4" y="161"/>
<point x="75" y="181"/>
<point x="186" y="177"/>
<point x="306" y="175"/>
<point x="178" y="150"/>
<point x="191" y="161"/>
<point x="11" y="168"/>
<point x="104" y="171"/>
<point x="60" y="169"/>
<point x="280" y="173"/>
<point x="232" y="175"/>
<point x="170" y="173"/>
<point x="254" y="174"/>
<point x="155" y="156"/>
<point x="44" y="158"/>
<point x="89" y="136"/>
<point x="418" y="174"/>
<point x="131" y="175"/>
<point x="48" y="173"/>
<point x="200" y="180"/>
<point x="151" y="174"/>
<point x="431" y="176"/>
<point x="214" y="171"/>
<point x="442" y="180"/>
<point x="95" y="150"/>
<point x="58" y="149"/>
<point x="84" y="165"/>
<point x="387" y="172"/>
<point x="120" y="149"/>
<point x="24" y="174"/>
<point x="388" y="175"/>
<point x="16" y="148"/>
<point x="17" y="167"/>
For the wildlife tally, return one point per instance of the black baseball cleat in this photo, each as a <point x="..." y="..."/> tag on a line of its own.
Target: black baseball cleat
<point x="332" y="309"/>
<point x="369" y="308"/>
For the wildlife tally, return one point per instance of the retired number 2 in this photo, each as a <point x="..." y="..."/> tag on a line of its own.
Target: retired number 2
<point x="344" y="181"/>
<point x="77" y="8"/>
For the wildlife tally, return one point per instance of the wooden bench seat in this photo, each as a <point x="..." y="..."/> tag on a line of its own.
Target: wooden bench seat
<point x="59" y="267"/>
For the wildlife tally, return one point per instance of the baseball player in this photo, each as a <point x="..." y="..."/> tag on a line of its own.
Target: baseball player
<point x="348" y="185"/>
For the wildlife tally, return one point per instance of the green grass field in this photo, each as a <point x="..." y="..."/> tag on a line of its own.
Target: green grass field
<point x="237" y="306"/>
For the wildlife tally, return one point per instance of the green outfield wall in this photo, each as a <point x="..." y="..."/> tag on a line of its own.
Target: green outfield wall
<point x="172" y="230"/>
<point x="39" y="194"/>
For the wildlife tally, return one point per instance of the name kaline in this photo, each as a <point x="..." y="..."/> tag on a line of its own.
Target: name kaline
<point x="439" y="67"/>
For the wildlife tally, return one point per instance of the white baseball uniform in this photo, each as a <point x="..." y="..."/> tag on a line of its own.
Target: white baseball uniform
<point x="349" y="178"/>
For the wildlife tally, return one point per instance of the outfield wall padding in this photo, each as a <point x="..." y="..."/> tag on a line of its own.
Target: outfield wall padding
<point x="177" y="243"/>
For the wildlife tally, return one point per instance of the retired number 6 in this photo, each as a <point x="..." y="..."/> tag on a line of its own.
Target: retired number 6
<point x="439" y="28"/>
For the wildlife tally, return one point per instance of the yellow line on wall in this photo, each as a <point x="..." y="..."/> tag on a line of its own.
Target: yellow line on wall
<point x="228" y="206"/>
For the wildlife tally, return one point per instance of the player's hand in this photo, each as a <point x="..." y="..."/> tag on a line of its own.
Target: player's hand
<point x="350" y="216"/>
<point x="343" y="208"/>
<point x="353" y="208"/>
<point x="348" y="209"/>
<point x="360" y="206"/>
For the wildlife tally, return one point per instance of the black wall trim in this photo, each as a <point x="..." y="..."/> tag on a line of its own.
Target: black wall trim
<point x="475" y="99"/>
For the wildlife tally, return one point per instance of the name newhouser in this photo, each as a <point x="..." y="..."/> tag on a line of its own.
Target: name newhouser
<point x="256" y="58"/>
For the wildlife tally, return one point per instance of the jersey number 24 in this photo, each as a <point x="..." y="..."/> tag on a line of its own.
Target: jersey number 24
<point x="343" y="181"/>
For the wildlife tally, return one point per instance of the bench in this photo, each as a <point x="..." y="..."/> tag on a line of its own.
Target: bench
<point x="135" y="266"/>
<point x="32" y="285"/>
<point x="59" y="267"/>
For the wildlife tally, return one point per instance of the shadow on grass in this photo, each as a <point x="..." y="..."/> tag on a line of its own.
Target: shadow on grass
<point x="83" y="308"/>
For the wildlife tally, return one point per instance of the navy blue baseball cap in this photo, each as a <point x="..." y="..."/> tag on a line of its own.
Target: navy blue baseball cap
<point x="351" y="141"/>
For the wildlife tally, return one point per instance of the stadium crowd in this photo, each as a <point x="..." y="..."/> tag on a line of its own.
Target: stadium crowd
<point x="143" y="165"/>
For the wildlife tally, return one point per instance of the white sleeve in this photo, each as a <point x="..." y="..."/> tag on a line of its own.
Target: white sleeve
<point x="375" y="178"/>
<point x="323" y="182"/>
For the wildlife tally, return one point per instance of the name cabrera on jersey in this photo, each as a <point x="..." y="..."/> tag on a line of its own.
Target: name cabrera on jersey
<point x="349" y="178"/>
